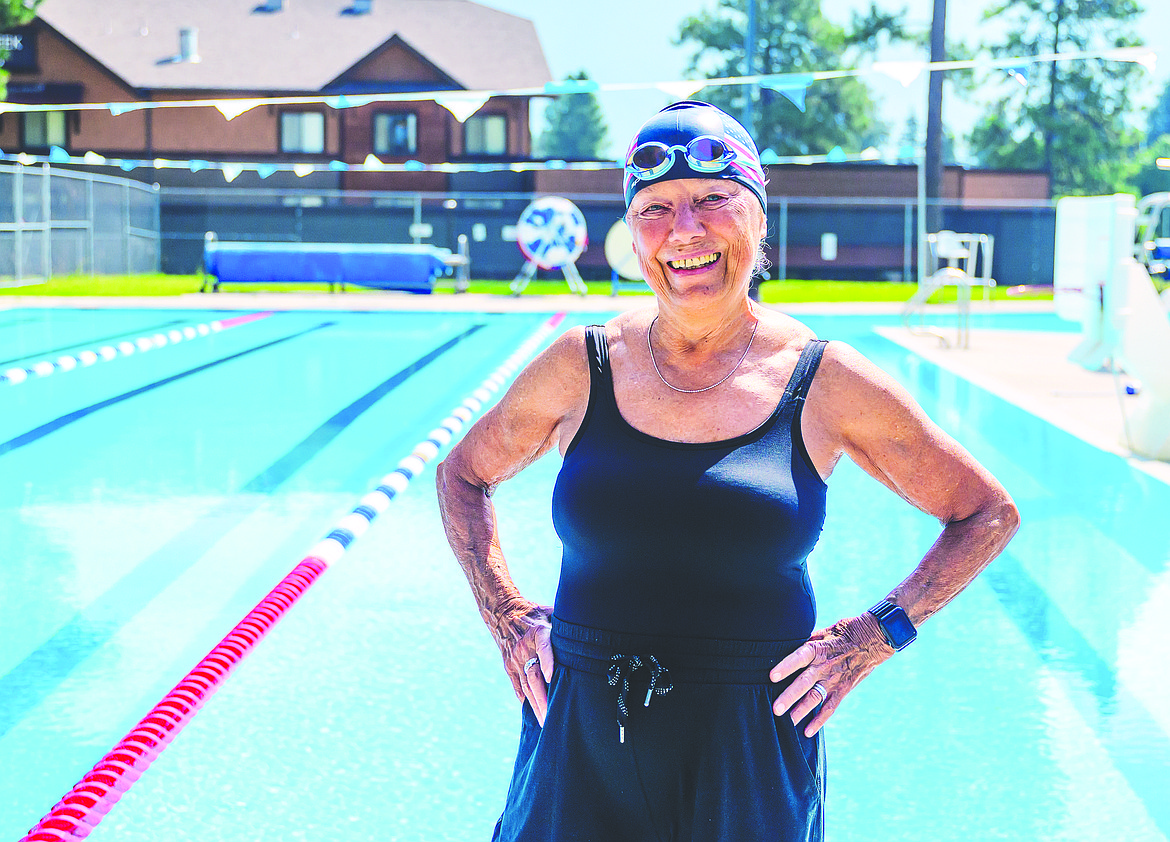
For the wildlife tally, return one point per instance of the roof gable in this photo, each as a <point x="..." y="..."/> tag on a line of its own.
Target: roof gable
<point x="301" y="48"/>
<point x="395" y="60"/>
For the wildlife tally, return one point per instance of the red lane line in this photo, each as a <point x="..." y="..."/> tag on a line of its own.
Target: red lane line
<point x="235" y="321"/>
<point x="75" y="815"/>
<point x="84" y="806"/>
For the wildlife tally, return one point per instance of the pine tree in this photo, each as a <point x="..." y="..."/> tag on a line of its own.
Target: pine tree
<point x="1073" y="119"/>
<point x="792" y="37"/>
<point x="575" y="126"/>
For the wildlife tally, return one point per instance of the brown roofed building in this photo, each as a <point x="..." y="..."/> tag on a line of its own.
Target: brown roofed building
<point x="131" y="50"/>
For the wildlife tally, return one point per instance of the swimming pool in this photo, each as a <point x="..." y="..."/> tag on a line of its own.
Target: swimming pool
<point x="148" y="501"/>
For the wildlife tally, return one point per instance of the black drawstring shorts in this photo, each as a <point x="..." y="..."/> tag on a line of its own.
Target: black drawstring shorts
<point x="659" y="738"/>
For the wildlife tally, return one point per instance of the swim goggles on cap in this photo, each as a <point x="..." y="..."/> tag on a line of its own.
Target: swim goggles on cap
<point x="704" y="154"/>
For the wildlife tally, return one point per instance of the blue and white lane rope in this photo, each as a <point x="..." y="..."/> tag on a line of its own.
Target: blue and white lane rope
<point x="88" y="802"/>
<point x="353" y="525"/>
<point x="105" y="353"/>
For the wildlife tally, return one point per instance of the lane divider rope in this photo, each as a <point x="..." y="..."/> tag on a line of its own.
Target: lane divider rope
<point x="105" y="353"/>
<point x="88" y="802"/>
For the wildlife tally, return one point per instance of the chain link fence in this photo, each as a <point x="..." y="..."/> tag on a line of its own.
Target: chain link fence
<point x="873" y="238"/>
<point x="55" y="221"/>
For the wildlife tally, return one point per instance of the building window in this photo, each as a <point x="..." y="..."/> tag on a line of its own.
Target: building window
<point x="395" y="135"/>
<point x="486" y="135"/>
<point x="302" y="131"/>
<point x="43" y="129"/>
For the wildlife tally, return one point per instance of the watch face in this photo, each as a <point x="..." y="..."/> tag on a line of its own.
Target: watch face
<point x="899" y="628"/>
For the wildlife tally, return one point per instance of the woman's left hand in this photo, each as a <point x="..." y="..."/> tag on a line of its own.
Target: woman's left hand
<point x="833" y="660"/>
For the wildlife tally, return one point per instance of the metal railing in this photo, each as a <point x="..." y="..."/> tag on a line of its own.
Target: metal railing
<point x="55" y="221"/>
<point x="956" y="260"/>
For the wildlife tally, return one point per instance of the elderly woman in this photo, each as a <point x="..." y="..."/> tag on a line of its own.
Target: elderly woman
<point x="677" y="689"/>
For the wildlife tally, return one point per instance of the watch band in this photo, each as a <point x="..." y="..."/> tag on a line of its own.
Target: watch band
<point x="896" y="626"/>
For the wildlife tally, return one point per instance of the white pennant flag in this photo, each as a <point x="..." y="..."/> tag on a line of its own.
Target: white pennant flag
<point x="462" y="107"/>
<point x="680" y="90"/>
<point x="233" y="108"/>
<point x="903" y="72"/>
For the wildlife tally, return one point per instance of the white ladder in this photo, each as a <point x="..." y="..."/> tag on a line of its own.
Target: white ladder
<point x="954" y="261"/>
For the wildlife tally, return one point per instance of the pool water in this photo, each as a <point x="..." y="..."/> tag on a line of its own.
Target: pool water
<point x="149" y="501"/>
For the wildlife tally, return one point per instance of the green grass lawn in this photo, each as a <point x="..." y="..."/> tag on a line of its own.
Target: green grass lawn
<point x="771" y="292"/>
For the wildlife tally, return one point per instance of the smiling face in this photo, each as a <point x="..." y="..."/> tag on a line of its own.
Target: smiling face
<point x="696" y="238"/>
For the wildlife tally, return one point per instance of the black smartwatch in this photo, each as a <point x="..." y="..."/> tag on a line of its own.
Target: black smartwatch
<point x="896" y="626"/>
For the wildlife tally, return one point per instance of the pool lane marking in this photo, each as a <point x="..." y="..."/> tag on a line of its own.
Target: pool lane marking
<point x="15" y="322"/>
<point x="68" y="362"/>
<point x="88" y="802"/>
<point x="110" y="338"/>
<point x="78" y="414"/>
<point x="26" y="684"/>
<point x="1059" y="645"/>
<point x="295" y="459"/>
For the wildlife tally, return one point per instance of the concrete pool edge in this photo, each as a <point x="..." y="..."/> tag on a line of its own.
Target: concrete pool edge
<point x="1080" y="402"/>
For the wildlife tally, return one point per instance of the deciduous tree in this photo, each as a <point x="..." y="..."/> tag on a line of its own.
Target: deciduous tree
<point x="13" y="13"/>
<point x="1160" y="117"/>
<point x="1072" y="119"/>
<point x="1148" y="177"/>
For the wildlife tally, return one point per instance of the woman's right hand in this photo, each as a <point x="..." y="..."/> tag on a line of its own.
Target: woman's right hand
<point x="530" y="638"/>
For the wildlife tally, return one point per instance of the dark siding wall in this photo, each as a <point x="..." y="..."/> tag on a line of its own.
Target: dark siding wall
<point x="870" y="239"/>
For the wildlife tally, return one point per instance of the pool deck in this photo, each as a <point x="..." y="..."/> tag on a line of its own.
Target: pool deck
<point x="1029" y="368"/>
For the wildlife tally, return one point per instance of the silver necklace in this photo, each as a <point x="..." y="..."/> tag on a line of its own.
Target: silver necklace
<point x="734" y="368"/>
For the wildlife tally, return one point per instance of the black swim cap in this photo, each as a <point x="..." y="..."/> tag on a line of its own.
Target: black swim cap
<point x="676" y="126"/>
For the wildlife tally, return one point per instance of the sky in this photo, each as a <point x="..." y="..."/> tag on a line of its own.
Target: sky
<point x="632" y="41"/>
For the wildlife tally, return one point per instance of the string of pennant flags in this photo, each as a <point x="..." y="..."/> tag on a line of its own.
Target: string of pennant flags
<point x="463" y="104"/>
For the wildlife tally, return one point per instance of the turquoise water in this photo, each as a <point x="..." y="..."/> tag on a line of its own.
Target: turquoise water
<point x="142" y="521"/>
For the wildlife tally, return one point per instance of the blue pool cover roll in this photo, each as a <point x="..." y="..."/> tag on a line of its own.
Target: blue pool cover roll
<point x="412" y="268"/>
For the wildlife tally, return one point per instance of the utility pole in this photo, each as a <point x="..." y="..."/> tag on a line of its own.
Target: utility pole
<point x="934" y="121"/>
<point x="1057" y="20"/>
<point x="749" y="50"/>
<point x="749" y="117"/>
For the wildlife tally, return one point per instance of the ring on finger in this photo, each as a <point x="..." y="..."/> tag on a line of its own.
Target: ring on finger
<point x="530" y="663"/>
<point x="819" y="689"/>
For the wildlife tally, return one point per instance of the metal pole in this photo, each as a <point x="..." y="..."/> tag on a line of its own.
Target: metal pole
<point x="749" y="69"/>
<point x="47" y="215"/>
<point x="922" y="194"/>
<point x="1057" y="17"/>
<point x="89" y="211"/>
<point x="126" y="223"/>
<point x="18" y="218"/>
<point x="907" y="243"/>
<point x="156" y="216"/>
<point x="934" y="120"/>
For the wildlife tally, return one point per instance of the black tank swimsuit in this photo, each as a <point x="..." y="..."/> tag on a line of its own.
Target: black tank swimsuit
<point x="683" y="583"/>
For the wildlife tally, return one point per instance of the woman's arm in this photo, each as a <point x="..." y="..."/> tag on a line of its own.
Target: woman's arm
<point x="857" y="409"/>
<point x="532" y="417"/>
